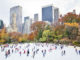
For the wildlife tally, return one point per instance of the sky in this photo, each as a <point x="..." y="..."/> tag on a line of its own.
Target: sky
<point x="30" y="7"/>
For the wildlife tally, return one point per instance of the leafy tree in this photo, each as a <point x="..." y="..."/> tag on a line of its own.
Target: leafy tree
<point x="72" y="32"/>
<point x="37" y="26"/>
<point x="39" y="34"/>
<point x="31" y="36"/>
<point x="71" y="22"/>
<point x="70" y="17"/>
<point x="47" y="36"/>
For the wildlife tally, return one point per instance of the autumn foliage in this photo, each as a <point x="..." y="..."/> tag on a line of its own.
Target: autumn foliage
<point x="31" y="36"/>
<point x="72" y="24"/>
<point x="70" y="17"/>
<point x="43" y="32"/>
<point x="38" y="25"/>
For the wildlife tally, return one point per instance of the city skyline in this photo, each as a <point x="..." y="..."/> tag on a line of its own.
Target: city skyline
<point x="30" y="7"/>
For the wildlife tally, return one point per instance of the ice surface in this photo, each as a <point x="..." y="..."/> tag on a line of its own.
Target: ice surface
<point x="54" y="54"/>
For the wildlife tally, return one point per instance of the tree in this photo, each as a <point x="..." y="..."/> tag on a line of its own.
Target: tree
<point x="70" y="17"/>
<point x="14" y="36"/>
<point x="47" y="36"/>
<point x="38" y="27"/>
<point x="39" y="35"/>
<point x="3" y="35"/>
<point x="72" y="32"/>
<point x="31" y="36"/>
<point x="71" y="22"/>
<point x="59" y="32"/>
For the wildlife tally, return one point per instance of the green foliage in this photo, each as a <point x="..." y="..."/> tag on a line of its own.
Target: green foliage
<point x="47" y="27"/>
<point x="43" y="39"/>
<point x="71" y="32"/>
<point x="47" y="36"/>
<point x="39" y="34"/>
<point x="76" y="43"/>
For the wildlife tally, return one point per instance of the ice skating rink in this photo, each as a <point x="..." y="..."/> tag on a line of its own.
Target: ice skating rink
<point x="50" y="51"/>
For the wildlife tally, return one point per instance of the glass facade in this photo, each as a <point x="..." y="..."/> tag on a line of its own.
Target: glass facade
<point x="47" y="14"/>
<point x="27" y="25"/>
<point x="35" y="17"/>
<point x="18" y="11"/>
<point x="56" y="14"/>
<point x="26" y="18"/>
<point x="50" y="14"/>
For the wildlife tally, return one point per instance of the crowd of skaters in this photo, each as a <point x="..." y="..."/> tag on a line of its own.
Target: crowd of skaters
<point x="34" y="50"/>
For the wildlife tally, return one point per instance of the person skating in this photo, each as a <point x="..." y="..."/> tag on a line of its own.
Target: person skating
<point x="12" y="50"/>
<point x="79" y="52"/>
<point x="24" y="52"/>
<point x="76" y="51"/>
<point x="9" y="52"/>
<point x="20" y="53"/>
<point x="6" y="54"/>
<point x="37" y="51"/>
<point x="62" y="47"/>
<point x="44" y="53"/>
<point x="33" y="54"/>
<point x="64" y="52"/>
<point x="28" y="52"/>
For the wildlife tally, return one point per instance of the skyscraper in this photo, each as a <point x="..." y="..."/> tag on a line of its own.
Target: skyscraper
<point x="14" y="25"/>
<point x="50" y="14"/>
<point x="17" y="10"/>
<point x="35" y="17"/>
<point x="56" y="14"/>
<point x="27" y="25"/>
<point x="1" y="24"/>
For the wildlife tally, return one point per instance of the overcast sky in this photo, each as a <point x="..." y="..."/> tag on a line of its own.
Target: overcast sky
<point x="30" y="7"/>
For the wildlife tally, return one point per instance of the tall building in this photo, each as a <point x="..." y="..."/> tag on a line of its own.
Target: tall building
<point x="50" y="14"/>
<point x="14" y="24"/>
<point x="56" y="15"/>
<point x="17" y="10"/>
<point x="35" y="17"/>
<point x="74" y="12"/>
<point x="1" y="24"/>
<point x="27" y="25"/>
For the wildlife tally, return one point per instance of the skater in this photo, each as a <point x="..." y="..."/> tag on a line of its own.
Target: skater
<point x="76" y="51"/>
<point x="9" y="52"/>
<point x="12" y="50"/>
<point x="61" y="47"/>
<point x="55" y="47"/>
<point x="28" y="52"/>
<point x="37" y="51"/>
<point x="20" y="53"/>
<point x="64" y="52"/>
<point x="6" y="54"/>
<point x="79" y="52"/>
<point x="33" y="54"/>
<point x="24" y="51"/>
<point x="44" y="52"/>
